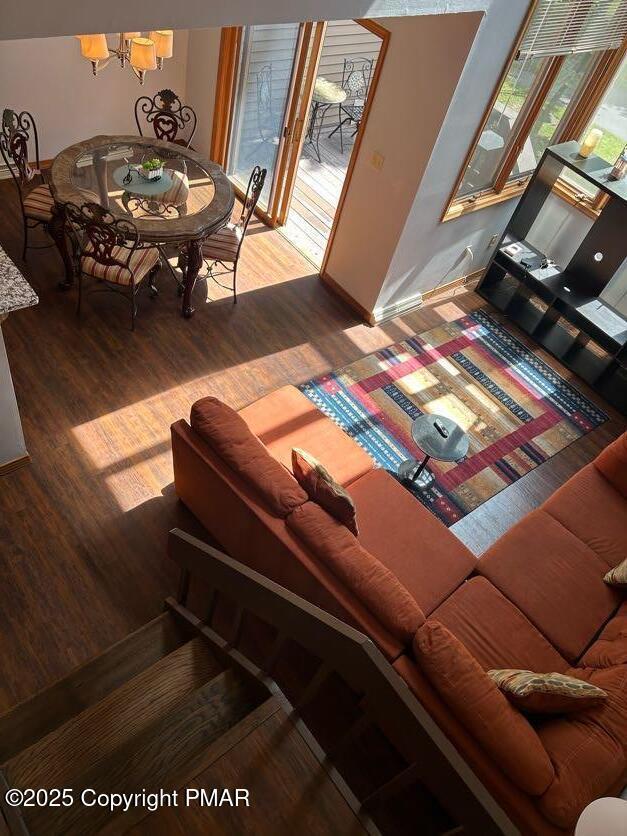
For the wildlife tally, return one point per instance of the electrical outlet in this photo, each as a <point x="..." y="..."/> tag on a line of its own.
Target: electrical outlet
<point x="377" y="160"/>
<point x="493" y="240"/>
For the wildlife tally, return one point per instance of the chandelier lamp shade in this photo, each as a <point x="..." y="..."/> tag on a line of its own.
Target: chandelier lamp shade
<point x="141" y="54"/>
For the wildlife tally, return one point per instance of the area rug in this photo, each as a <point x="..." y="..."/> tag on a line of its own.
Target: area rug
<point x="518" y="412"/>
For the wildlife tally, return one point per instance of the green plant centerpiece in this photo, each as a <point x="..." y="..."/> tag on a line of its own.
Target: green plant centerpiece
<point x="152" y="169"/>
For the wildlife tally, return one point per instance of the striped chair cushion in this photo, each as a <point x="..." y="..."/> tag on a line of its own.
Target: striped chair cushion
<point x="39" y="204"/>
<point x="222" y="245"/>
<point x="142" y="261"/>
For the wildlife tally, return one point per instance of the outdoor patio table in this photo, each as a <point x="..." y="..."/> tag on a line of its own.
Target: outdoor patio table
<point x="325" y="94"/>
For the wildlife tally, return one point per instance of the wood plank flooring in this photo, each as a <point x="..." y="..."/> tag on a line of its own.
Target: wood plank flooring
<point x="317" y="193"/>
<point x="83" y="527"/>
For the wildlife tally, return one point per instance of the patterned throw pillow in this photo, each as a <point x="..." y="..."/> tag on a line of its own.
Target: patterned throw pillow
<point x="618" y="575"/>
<point x="322" y="488"/>
<point x="546" y="693"/>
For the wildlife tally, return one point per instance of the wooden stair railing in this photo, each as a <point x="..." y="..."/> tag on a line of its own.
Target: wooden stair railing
<point x="433" y="761"/>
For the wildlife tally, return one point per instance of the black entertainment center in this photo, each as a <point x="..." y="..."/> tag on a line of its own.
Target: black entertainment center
<point x="560" y="306"/>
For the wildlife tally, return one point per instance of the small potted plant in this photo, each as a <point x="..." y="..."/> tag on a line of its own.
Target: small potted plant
<point x="152" y="169"/>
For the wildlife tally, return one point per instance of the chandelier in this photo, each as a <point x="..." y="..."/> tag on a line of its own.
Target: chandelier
<point x="141" y="54"/>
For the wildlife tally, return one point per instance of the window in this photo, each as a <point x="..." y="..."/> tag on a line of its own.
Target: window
<point x="611" y="118"/>
<point x="564" y="65"/>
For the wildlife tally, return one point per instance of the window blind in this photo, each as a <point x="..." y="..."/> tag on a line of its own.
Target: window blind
<point x="563" y="27"/>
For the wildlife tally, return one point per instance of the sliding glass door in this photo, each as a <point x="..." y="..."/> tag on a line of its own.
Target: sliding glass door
<point x="264" y="87"/>
<point x="293" y="98"/>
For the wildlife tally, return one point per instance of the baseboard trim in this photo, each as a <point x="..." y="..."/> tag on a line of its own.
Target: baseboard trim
<point x="416" y="301"/>
<point x="388" y="312"/>
<point x="384" y="314"/>
<point x="14" y="464"/>
<point x="461" y="282"/>
<point x="338" y="290"/>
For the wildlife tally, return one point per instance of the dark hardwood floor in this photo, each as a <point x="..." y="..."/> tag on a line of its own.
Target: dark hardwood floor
<point x="83" y="527"/>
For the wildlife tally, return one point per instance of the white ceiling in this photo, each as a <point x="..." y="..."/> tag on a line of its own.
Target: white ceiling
<point x="44" y="18"/>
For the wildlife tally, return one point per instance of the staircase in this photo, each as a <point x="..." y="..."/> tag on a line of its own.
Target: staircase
<point x="149" y="714"/>
<point x="280" y="696"/>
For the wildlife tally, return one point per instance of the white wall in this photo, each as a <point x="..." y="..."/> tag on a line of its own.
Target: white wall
<point x="43" y="18"/>
<point x="430" y="252"/>
<point x="202" y="72"/>
<point x="50" y="79"/>
<point x="425" y="58"/>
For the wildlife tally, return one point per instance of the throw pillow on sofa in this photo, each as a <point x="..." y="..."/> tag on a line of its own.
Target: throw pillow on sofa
<point x="323" y="489"/>
<point x="618" y="575"/>
<point x="547" y="693"/>
<point x="503" y="732"/>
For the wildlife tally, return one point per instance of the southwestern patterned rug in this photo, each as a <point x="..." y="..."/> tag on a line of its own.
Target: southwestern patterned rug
<point x="517" y="410"/>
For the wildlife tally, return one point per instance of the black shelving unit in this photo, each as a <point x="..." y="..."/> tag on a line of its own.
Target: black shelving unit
<point x="540" y="297"/>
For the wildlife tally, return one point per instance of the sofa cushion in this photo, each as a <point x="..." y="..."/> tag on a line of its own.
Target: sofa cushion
<point x="587" y="749"/>
<point x="285" y="418"/>
<point x="323" y="489"/>
<point x="612" y="463"/>
<point x="228" y="435"/>
<point x="495" y="631"/>
<point x="555" y="579"/>
<point x="475" y="700"/>
<point x="603" y="524"/>
<point x="423" y="554"/>
<point x="546" y="693"/>
<point x="611" y="646"/>
<point x="374" y="585"/>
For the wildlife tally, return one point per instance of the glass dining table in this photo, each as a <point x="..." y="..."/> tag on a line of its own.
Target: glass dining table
<point x="188" y="200"/>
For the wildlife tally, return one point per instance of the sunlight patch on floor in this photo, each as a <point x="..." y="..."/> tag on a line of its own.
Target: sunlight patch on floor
<point x="451" y="407"/>
<point x="418" y="381"/>
<point x="484" y="399"/>
<point x="138" y="482"/>
<point x="449" y="311"/>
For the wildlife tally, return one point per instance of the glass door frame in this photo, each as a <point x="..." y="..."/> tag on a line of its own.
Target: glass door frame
<point x="231" y="42"/>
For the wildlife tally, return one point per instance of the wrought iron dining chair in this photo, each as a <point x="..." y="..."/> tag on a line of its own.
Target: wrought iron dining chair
<point x="19" y="144"/>
<point x="224" y="247"/>
<point x="110" y="252"/>
<point x="356" y="78"/>
<point x="171" y="120"/>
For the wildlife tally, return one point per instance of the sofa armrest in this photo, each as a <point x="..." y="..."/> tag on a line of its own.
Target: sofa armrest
<point x="612" y="463"/>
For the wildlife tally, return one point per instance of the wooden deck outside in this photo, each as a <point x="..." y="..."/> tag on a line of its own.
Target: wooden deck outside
<point x="317" y="193"/>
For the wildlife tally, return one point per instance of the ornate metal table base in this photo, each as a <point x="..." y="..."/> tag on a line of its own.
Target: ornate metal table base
<point x="192" y="268"/>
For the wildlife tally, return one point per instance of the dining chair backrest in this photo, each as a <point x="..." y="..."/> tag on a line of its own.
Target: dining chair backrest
<point x="253" y="191"/>
<point x="108" y="240"/>
<point x="356" y="75"/>
<point x="19" y="144"/>
<point x="170" y="119"/>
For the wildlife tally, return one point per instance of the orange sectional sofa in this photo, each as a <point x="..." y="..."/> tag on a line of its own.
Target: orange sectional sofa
<point x="535" y="600"/>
